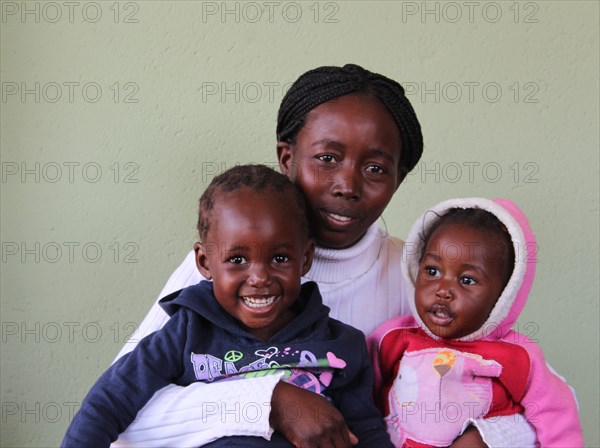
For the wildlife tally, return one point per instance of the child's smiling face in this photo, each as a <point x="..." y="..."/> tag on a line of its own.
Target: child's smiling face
<point x="255" y="251"/>
<point x="461" y="276"/>
<point x="346" y="161"/>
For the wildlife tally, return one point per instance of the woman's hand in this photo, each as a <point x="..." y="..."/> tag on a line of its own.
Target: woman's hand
<point x="469" y="439"/>
<point x="307" y="419"/>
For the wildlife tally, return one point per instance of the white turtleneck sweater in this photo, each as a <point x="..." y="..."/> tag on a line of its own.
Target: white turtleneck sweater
<point x="363" y="287"/>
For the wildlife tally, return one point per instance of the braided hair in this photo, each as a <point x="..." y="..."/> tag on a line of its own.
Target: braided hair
<point x="257" y="178"/>
<point x="323" y="84"/>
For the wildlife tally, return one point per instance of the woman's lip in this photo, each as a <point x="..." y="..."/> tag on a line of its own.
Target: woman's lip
<point x="339" y="218"/>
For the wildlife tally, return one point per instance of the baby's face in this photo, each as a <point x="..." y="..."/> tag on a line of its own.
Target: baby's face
<point x="460" y="278"/>
<point x="255" y="252"/>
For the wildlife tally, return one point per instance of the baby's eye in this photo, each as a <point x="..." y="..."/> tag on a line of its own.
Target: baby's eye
<point x="466" y="280"/>
<point x="281" y="258"/>
<point x="375" y="169"/>
<point x="327" y="158"/>
<point x="236" y="259"/>
<point x="431" y="271"/>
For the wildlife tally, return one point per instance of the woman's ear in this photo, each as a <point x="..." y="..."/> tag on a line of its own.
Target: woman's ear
<point x="285" y="158"/>
<point x="202" y="260"/>
<point x="308" y="256"/>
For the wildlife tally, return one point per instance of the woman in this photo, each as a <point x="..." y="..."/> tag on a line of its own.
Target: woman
<point x="348" y="137"/>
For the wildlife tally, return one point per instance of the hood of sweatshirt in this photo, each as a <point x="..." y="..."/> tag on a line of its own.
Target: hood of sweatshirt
<point x="512" y="300"/>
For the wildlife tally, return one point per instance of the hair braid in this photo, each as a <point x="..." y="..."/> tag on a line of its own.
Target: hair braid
<point x="323" y="84"/>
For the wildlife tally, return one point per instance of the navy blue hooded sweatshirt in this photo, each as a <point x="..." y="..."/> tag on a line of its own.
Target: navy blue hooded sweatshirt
<point x="202" y="342"/>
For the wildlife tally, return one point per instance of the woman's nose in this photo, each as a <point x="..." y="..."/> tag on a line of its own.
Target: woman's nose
<point x="346" y="182"/>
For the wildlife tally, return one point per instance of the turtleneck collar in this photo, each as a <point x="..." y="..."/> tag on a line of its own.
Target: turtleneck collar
<point x="334" y="265"/>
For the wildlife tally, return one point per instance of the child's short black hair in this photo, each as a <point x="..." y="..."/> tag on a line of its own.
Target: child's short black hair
<point x="258" y="178"/>
<point x="323" y="84"/>
<point x="479" y="219"/>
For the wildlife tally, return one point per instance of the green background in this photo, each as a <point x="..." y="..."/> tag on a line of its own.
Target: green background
<point x="116" y="115"/>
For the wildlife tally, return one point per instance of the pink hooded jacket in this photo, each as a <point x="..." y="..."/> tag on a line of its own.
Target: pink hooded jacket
<point x="525" y="379"/>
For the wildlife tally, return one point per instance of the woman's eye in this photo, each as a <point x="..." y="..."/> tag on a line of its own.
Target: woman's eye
<point x="375" y="169"/>
<point x="467" y="280"/>
<point x="236" y="259"/>
<point x="281" y="258"/>
<point x="327" y="158"/>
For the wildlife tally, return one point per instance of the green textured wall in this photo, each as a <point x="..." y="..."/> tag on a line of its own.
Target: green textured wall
<point x="115" y="116"/>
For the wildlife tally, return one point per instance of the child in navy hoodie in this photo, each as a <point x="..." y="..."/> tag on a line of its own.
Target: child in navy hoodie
<point x="253" y="319"/>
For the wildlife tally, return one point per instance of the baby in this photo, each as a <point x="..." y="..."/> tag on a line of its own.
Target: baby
<point x="470" y="264"/>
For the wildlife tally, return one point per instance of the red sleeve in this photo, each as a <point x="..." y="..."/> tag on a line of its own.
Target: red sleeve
<point x="386" y="345"/>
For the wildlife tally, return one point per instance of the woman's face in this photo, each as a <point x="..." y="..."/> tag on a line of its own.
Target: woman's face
<point x="345" y="160"/>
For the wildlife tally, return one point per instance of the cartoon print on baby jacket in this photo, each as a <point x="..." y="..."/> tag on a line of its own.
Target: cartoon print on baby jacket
<point x="300" y="367"/>
<point x="439" y="376"/>
<point x="431" y="388"/>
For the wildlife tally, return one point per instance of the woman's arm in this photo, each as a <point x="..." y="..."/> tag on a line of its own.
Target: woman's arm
<point x="508" y="430"/>
<point x="200" y="413"/>
<point x="307" y="419"/>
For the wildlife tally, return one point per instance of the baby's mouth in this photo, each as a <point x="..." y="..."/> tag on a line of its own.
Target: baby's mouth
<point x="440" y="315"/>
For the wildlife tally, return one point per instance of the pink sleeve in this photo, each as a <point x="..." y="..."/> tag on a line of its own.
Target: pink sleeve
<point x="550" y="404"/>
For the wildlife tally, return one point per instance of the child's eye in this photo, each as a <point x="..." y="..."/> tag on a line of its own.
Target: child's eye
<point x="281" y="258"/>
<point x="466" y="280"/>
<point x="327" y="158"/>
<point x="375" y="169"/>
<point x="236" y="259"/>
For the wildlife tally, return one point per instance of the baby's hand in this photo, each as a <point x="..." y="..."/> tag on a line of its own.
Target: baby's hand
<point x="307" y="419"/>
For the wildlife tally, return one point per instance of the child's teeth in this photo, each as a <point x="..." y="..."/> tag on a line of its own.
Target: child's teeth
<point x="254" y="302"/>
